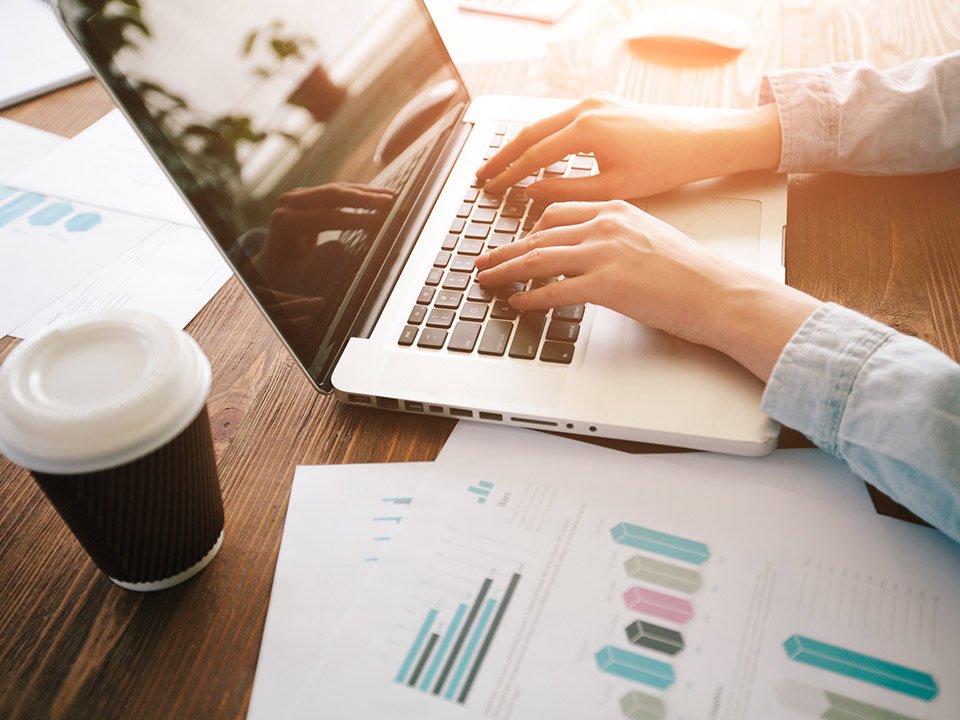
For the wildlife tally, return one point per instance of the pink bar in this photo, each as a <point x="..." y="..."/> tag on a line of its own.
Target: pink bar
<point x="665" y="607"/>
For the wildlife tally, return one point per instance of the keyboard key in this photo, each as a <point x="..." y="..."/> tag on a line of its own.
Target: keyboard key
<point x="507" y="225"/>
<point x="476" y="230"/>
<point x="432" y="338"/>
<point x="464" y="336"/>
<point x="465" y="210"/>
<point x="526" y="182"/>
<point x="499" y="240"/>
<point x="506" y="291"/>
<point x="496" y="141"/>
<point x="434" y="277"/>
<point x="443" y="257"/>
<point x="512" y="210"/>
<point x="441" y="318"/>
<point x="474" y="311"/>
<point x="557" y="168"/>
<point x="495" y="337"/>
<point x="471" y="246"/>
<point x="456" y="281"/>
<point x="462" y="264"/>
<point x="582" y="163"/>
<point x="426" y="295"/>
<point x="557" y="352"/>
<point x="502" y="311"/>
<point x="471" y="195"/>
<point x="517" y="195"/>
<point x="527" y="338"/>
<point x="563" y="331"/>
<point x="457" y="226"/>
<point x="572" y="313"/>
<point x="484" y="215"/>
<point x="408" y="335"/>
<point x="449" y="299"/>
<point x="580" y="173"/>
<point x="449" y="242"/>
<point x="479" y="293"/>
<point x="502" y="129"/>
<point x="537" y="283"/>
<point x="417" y="315"/>
<point x="488" y="201"/>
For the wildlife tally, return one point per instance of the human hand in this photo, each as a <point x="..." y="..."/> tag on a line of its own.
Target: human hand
<point x="615" y="255"/>
<point x="640" y="150"/>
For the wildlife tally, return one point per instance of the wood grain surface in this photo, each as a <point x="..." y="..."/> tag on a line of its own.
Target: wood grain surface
<point x="72" y="645"/>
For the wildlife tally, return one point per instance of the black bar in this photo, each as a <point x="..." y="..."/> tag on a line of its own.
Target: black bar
<point x="489" y="638"/>
<point x="484" y="589"/>
<point x="423" y="659"/>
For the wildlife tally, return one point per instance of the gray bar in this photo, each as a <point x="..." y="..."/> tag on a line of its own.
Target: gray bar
<point x="484" y="589"/>
<point x="489" y="638"/>
<point x="423" y="659"/>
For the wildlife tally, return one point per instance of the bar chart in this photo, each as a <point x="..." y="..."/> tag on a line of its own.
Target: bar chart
<point x="482" y="490"/>
<point x="40" y="211"/>
<point x="447" y="654"/>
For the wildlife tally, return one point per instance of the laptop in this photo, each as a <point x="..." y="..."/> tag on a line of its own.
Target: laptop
<point x="329" y="150"/>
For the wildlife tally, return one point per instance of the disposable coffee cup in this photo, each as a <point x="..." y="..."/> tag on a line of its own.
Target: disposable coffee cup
<point x="108" y="413"/>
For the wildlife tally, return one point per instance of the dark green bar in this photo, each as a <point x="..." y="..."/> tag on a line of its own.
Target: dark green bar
<point x="484" y="589"/>
<point x="489" y="638"/>
<point x="423" y="659"/>
<point x="654" y="637"/>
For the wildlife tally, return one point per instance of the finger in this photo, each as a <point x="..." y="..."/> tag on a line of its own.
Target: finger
<point x="527" y="137"/>
<point x="542" y="262"/>
<point x="550" y="149"/>
<point x="532" y="241"/>
<point x="337" y="195"/>
<point x="592" y="188"/>
<point x="569" y="291"/>
<point x="566" y="214"/>
<point x="288" y="222"/>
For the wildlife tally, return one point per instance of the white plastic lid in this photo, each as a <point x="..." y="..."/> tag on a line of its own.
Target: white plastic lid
<point x="100" y="391"/>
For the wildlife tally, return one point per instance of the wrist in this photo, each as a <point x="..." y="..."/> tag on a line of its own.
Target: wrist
<point x="744" y="140"/>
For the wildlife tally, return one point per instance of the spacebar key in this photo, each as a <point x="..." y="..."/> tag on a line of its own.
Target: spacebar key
<point x="526" y="341"/>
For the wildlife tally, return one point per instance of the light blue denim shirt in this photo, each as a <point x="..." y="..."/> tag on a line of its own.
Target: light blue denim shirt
<point x="886" y="403"/>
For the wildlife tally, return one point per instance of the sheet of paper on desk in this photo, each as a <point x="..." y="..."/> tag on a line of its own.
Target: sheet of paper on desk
<point x="35" y="53"/>
<point x="341" y="519"/>
<point x="173" y="273"/>
<point x="107" y="165"/>
<point x="21" y="146"/>
<point x="566" y="581"/>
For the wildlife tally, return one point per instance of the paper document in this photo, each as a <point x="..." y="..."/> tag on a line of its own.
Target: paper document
<point x="341" y="519"/>
<point x="22" y="145"/>
<point x="563" y="581"/>
<point x="35" y="53"/>
<point x="108" y="166"/>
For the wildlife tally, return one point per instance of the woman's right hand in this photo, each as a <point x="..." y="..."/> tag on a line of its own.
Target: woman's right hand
<point x="640" y="150"/>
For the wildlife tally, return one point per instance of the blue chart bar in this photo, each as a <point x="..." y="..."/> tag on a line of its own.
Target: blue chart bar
<point x="6" y="192"/>
<point x="660" y="543"/>
<point x="20" y="205"/>
<point x="83" y="222"/>
<point x="398" y="500"/>
<point x="637" y="668"/>
<point x="388" y="519"/>
<point x="444" y="644"/>
<point x="49" y="214"/>
<point x="482" y="489"/>
<point x="868" y="669"/>
<point x="417" y="643"/>
<point x="470" y="649"/>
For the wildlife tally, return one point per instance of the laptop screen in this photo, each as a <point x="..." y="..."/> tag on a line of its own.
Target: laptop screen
<point x="297" y="128"/>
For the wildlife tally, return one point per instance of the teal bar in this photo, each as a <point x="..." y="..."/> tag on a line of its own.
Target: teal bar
<point x="637" y="668"/>
<point x="6" y="192"/>
<point x="485" y="484"/>
<point x="444" y="646"/>
<point x="20" y="205"/>
<point x="660" y="543"/>
<point x="478" y="491"/>
<point x="388" y="519"/>
<point x="471" y="649"/>
<point x="881" y="673"/>
<point x="399" y="500"/>
<point x="417" y="643"/>
<point x="49" y="214"/>
<point x="83" y="222"/>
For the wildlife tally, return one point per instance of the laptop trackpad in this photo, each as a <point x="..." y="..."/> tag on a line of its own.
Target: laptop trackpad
<point x="728" y="226"/>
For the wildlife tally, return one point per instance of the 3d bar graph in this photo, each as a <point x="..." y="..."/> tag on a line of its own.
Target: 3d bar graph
<point x="482" y="490"/>
<point x="19" y="205"/>
<point x="660" y="605"/>
<point x="816" y="703"/>
<point x="660" y="543"/>
<point x="640" y="706"/>
<point x="663" y="574"/>
<point x="858" y="666"/>
<point x="654" y="637"/>
<point x="636" y="668"/>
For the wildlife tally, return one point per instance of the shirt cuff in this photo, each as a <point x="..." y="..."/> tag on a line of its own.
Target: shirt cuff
<point x="809" y="111"/>
<point x="816" y="372"/>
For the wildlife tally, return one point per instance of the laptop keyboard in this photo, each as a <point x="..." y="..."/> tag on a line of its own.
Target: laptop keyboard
<point x="455" y="313"/>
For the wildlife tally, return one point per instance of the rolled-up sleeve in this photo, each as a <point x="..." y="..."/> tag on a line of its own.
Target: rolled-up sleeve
<point x="886" y="403"/>
<point x="851" y="117"/>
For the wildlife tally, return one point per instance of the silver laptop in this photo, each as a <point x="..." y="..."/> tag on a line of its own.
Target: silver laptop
<point x="329" y="149"/>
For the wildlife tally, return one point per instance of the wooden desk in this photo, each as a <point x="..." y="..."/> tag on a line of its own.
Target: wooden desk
<point x="74" y="645"/>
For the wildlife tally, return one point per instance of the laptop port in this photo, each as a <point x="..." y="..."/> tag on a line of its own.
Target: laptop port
<point x="361" y="399"/>
<point x="388" y="403"/>
<point x="436" y="409"/>
<point x="458" y="412"/>
<point x="491" y="416"/>
<point x="546" y="423"/>
<point x="413" y="406"/>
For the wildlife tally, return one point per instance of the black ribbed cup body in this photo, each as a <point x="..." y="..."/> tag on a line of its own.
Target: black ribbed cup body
<point x="150" y="518"/>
